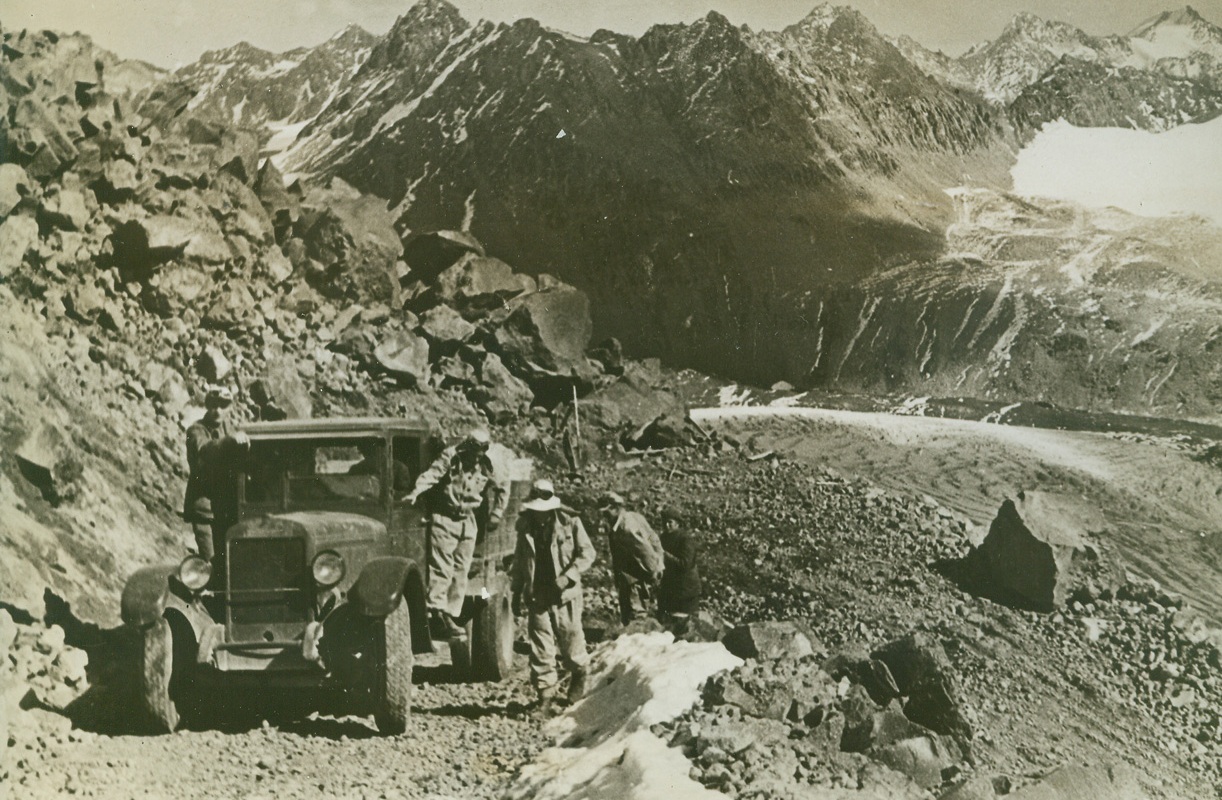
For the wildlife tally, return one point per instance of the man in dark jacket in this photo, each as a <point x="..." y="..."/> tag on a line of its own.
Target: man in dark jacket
<point x="214" y="451"/>
<point x="457" y="490"/>
<point x="680" y="591"/>
<point x="636" y="556"/>
<point x="552" y="552"/>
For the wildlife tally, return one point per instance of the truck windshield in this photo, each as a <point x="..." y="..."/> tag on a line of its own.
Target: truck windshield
<point x="317" y="473"/>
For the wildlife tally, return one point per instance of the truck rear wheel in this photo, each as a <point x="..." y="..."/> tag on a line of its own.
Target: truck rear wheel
<point x="492" y="632"/>
<point x="392" y="672"/>
<point x="160" y="684"/>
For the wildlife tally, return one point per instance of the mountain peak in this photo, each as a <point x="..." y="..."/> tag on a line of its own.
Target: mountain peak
<point x="1186" y="17"/>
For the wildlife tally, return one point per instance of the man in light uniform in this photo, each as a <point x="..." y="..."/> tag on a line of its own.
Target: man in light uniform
<point x="636" y="557"/>
<point x="552" y="552"/>
<point x="458" y="486"/>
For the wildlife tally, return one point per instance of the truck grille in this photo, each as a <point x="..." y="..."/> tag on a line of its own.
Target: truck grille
<point x="267" y="579"/>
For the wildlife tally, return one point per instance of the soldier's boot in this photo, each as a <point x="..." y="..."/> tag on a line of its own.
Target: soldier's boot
<point x="577" y="684"/>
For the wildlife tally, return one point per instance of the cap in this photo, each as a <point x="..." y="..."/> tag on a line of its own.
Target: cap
<point x="610" y="499"/>
<point x="477" y="439"/>
<point x="218" y="397"/>
<point x="542" y="496"/>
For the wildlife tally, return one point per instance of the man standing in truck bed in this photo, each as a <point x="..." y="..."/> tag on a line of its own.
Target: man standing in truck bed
<point x="456" y="491"/>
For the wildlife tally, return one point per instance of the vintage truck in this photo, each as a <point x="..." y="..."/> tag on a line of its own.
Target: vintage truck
<point x="319" y="587"/>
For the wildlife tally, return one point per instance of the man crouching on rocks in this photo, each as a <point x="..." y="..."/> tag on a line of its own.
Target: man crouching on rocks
<point x="553" y="550"/>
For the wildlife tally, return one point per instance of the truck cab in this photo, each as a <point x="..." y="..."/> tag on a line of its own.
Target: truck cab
<point x="321" y="581"/>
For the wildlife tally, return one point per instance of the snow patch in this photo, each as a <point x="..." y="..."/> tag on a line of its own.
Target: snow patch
<point x="283" y="135"/>
<point x="1153" y="174"/>
<point x="733" y="395"/>
<point x="604" y="748"/>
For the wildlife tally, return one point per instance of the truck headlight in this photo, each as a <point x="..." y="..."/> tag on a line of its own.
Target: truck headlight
<point x="328" y="568"/>
<point x="194" y="572"/>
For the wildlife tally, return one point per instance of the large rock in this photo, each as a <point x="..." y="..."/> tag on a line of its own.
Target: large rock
<point x="1076" y="782"/>
<point x="64" y="209"/>
<point x="479" y="282"/>
<point x="429" y="254"/>
<point x="175" y="288"/>
<point x="14" y="185"/>
<point x="445" y="326"/>
<point x="548" y="330"/>
<point x="280" y="392"/>
<point x="276" y="199"/>
<point x="500" y="394"/>
<point x="234" y="308"/>
<point x="404" y="355"/>
<point x="921" y="758"/>
<point x="352" y="238"/>
<point x="924" y="675"/>
<point x="47" y="460"/>
<point x="629" y="402"/>
<point x="1041" y="549"/>
<point x="771" y="640"/>
<point x="18" y="236"/>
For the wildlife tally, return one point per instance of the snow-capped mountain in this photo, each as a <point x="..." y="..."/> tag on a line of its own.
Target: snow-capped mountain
<point x="277" y="92"/>
<point x="1180" y="42"/>
<point x="1026" y="49"/>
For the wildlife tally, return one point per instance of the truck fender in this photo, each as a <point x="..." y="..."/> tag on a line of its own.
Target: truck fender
<point x="145" y="595"/>
<point x="384" y="583"/>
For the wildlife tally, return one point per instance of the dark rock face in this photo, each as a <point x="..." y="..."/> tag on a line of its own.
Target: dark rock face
<point x="1042" y="549"/>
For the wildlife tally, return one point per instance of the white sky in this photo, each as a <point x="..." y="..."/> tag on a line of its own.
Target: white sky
<point x="174" y="32"/>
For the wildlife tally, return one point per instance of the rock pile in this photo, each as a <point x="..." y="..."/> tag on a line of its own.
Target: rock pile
<point x="40" y="677"/>
<point x="793" y="717"/>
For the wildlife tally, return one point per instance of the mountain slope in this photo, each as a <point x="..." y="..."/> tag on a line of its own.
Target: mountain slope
<point x="660" y="173"/>
<point x="243" y="85"/>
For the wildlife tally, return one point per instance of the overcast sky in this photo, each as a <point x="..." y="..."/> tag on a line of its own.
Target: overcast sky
<point x="174" y="32"/>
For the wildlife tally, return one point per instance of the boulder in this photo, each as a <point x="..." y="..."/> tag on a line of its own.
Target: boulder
<point x="429" y="254"/>
<point x="1078" y="782"/>
<point x="1041" y="550"/>
<point x="85" y="301"/>
<point x="270" y="189"/>
<point x="64" y="209"/>
<point x="280" y="392"/>
<point x="978" y="787"/>
<point x="352" y="238"/>
<point x="119" y="182"/>
<point x="234" y="308"/>
<point x="15" y="184"/>
<point x="445" y="326"/>
<point x="921" y="758"/>
<point x="276" y="266"/>
<point x="49" y="146"/>
<point x="771" y="640"/>
<point x="873" y="675"/>
<point x="500" y="394"/>
<point x="237" y="154"/>
<point x="18" y="236"/>
<point x="404" y="355"/>
<point x="628" y="402"/>
<point x="165" y="384"/>
<point x="454" y="371"/>
<point x="546" y="331"/>
<point x="924" y="675"/>
<point x="480" y="282"/>
<point x="47" y="460"/>
<point x="175" y="288"/>
<point x="212" y="364"/>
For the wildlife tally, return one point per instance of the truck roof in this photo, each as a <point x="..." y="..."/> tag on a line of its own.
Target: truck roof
<point x="305" y="428"/>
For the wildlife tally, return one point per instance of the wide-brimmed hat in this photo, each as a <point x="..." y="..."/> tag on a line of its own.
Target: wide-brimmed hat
<point x="542" y="497"/>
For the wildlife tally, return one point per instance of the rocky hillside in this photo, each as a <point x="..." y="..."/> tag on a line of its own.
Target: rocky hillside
<point x="144" y="255"/>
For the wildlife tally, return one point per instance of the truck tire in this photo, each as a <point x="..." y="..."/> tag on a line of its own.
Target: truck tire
<point x="157" y="681"/>
<point x="492" y="632"/>
<point x="393" y="671"/>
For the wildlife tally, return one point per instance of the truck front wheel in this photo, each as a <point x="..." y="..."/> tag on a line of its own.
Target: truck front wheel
<point x="392" y="671"/>
<point x="165" y="658"/>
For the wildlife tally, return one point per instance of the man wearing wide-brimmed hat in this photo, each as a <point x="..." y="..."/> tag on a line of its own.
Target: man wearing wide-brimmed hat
<point x="458" y="490"/>
<point x="553" y="551"/>
<point x="214" y="451"/>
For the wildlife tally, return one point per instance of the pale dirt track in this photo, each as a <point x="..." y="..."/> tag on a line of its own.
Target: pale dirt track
<point x="1164" y="504"/>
